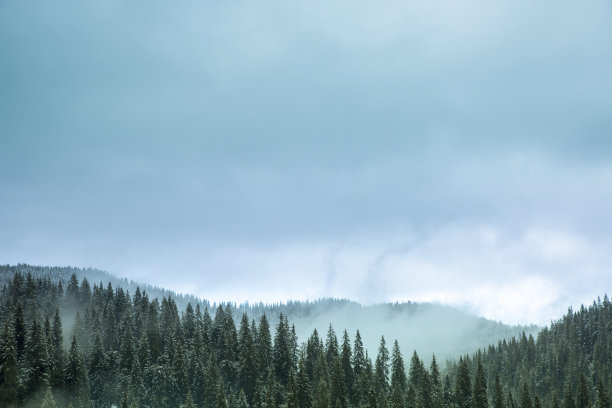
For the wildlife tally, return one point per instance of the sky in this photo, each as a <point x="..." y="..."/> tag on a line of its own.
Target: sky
<point x="376" y="150"/>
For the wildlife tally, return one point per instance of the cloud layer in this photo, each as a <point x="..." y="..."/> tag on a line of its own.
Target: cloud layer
<point x="379" y="151"/>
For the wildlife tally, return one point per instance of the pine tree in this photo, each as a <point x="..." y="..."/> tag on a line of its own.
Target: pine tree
<point x="536" y="402"/>
<point x="282" y="351"/>
<point x="582" y="398"/>
<point x="37" y="360"/>
<point x="124" y="400"/>
<point x="56" y="350"/>
<point x="19" y="329"/>
<point x="346" y="357"/>
<point x="221" y="398"/>
<point x="77" y="383"/>
<point x="525" y="397"/>
<point x="331" y="346"/>
<point x="463" y="386"/>
<point x="303" y="387"/>
<point x="338" y="384"/>
<point x="48" y="401"/>
<point x="498" y="394"/>
<point x="189" y="402"/>
<point x="479" y="393"/>
<point x="322" y="396"/>
<point x="436" y="384"/>
<point x="449" y="398"/>
<point x="292" y="394"/>
<point x="381" y="372"/>
<point x="398" y="372"/>
<point x="8" y="367"/>
<point x="568" y="398"/>
<point x="247" y="363"/>
<point x="264" y="346"/>
<point x="603" y="398"/>
<point x="242" y="401"/>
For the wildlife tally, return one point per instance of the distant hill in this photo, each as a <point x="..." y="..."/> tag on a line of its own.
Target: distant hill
<point x="425" y="327"/>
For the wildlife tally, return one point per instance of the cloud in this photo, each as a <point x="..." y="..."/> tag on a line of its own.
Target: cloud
<point x="373" y="150"/>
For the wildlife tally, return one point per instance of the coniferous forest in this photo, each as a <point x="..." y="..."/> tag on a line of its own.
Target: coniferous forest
<point x="73" y="344"/>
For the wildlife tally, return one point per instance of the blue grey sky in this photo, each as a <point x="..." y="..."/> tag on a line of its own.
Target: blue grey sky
<point x="458" y="152"/>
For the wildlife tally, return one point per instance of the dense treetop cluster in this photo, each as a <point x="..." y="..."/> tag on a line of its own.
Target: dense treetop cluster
<point x="80" y="345"/>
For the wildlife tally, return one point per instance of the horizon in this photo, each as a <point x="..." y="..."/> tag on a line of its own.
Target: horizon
<point x="465" y="308"/>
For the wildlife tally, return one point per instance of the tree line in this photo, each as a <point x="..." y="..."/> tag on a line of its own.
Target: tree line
<point x="99" y="346"/>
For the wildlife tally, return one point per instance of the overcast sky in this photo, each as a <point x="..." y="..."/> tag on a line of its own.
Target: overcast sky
<point x="268" y="150"/>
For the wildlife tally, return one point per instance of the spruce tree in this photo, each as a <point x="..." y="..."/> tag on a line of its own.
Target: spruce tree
<point x="603" y="397"/>
<point x="189" y="401"/>
<point x="568" y="398"/>
<point x="264" y="347"/>
<point x="525" y="396"/>
<point x="282" y="358"/>
<point x="124" y="400"/>
<point x="381" y="372"/>
<point x="398" y="372"/>
<point x="322" y="396"/>
<point x="331" y="346"/>
<point x="247" y="363"/>
<point x="76" y="380"/>
<point x="436" y="384"/>
<point x="463" y="386"/>
<point x="582" y="398"/>
<point x="304" y="396"/>
<point x="221" y="401"/>
<point x="37" y="360"/>
<point x="56" y="350"/>
<point x="48" y="401"/>
<point x="479" y="393"/>
<point x="536" y="402"/>
<point x="9" y="370"/>
<point x="449" y="398"/>
<point x="338" y="384"/>
<point x="346" y="357"/>
<point x="19" y="330"/>
<point x="498" y="394"/>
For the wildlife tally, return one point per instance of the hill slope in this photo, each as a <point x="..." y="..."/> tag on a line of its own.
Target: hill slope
<point x="136" y="351"/>
<point x="424" y="327"/>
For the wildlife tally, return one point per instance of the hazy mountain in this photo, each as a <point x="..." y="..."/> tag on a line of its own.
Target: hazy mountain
<point x="425" y="327"/>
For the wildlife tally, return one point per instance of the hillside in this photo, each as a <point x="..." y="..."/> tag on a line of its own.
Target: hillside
<point x="141" y="352"/>
<point x="424" y="327"/>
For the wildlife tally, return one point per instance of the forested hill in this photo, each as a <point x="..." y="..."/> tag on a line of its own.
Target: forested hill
<point x="427" y="328"/>
<point x="134" y="351"/>
<point x="569" y="365"/>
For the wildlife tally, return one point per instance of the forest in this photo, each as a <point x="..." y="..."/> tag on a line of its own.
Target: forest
<point x="73" y="344"/>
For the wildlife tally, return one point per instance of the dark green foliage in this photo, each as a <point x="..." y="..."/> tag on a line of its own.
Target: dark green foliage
<point x="247" y="359"/>
<point x="603" y="396"/>
<point x="498" y="394"/>
<point x="48" y="400"/>
<point x="136" y="352"/>
<point x="399" y="381"/>
<point x="525" y="397"/>
<point x="463" y="385"/>
<point x="479" y="392"/>
<point x="568" y="398"/>
<point x="582" y="398"/>
<point x="282" y="355"/>
<point x="76" y="380"/>
<point x="36" y="369"/>
<point x="437" y="393"/>
<point x="381" y="373"/>
<point x="9" y="370"/>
